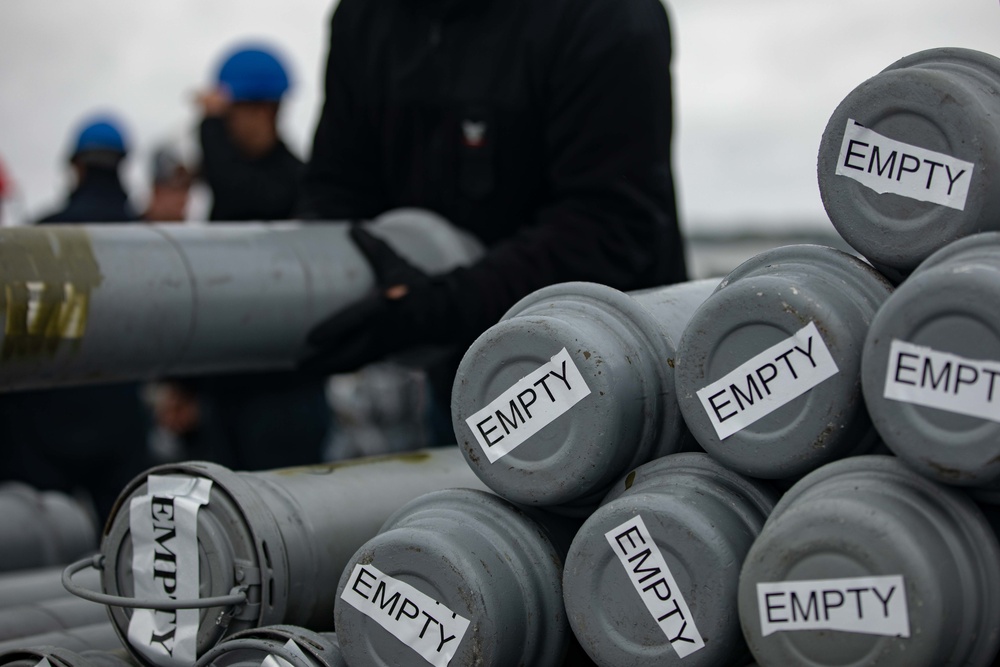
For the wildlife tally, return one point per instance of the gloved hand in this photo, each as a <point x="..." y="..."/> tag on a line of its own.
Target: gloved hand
<point x="408" y="308"/>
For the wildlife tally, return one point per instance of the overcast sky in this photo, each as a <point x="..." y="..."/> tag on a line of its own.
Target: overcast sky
<point x="755" y="82"/>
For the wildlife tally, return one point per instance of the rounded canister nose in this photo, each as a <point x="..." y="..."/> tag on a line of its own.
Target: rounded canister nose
<point x="457" y="577"/>
<point x="268" y="547"/>
<point x="768" y="368"/>
<point x="866" y="562"/>
<point x="190" y="531"/>
<point x="931" y="365"/>
<point x="276" y="646"/>
<point x="39" y="528"/>
<point x="651" y="577"/>
<point x="905" y="161"/>
<point x="570" y="390"/>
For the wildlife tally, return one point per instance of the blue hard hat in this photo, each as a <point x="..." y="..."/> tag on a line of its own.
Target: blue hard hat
<point x="253" y="74"/>
<point x="100" y="133"/>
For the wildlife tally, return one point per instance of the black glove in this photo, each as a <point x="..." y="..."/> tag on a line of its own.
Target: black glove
<point x="406" y="309"/>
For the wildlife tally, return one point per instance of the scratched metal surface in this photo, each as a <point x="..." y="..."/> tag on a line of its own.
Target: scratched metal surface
<point x="95" y="303"/>
<point x="873" y="516"/>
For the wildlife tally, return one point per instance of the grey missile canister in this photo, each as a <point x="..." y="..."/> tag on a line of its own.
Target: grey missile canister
<point x="22" y="587"/>
<point x="41" y="528"/>
<point x="276" y="646"/>
<point x="768" y="369"/>
<point x="866" y="562"/>
<point x="96" y="637"/>
<point x="457" y="577"/>
<point x="51" y="656"/>
<point x="906" y="161"/>
<point x="571" y="389"/>
<point x="97" y="303"/>
<point x="49" y="616"/>
<point x="652" y="576"/>
<point x="195" y="552"/>
<point x="931" y="366"/>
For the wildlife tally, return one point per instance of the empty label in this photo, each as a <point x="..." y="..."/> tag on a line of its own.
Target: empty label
<point x="924" y="376"/>
<point x="769" y="380"/>
<point x="294" y="649"/>
<point x="865" y="605"/>
<point x="886" y="165"/>
<point x="419" y="621"/>
<point x="534" y="402"/>
<point x="655" y="584"/>
<point x="164" y="529"/>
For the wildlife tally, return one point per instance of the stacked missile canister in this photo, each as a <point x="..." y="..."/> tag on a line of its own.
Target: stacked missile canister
<point x="790" y="465"/>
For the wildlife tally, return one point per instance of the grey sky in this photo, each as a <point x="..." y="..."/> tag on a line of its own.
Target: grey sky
<point x="755" y="82"/>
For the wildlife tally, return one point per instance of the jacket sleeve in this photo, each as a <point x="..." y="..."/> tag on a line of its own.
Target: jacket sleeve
<point x="244" y="189"/>
<point x="610" y="216"/>
<point x="341" y="179"/>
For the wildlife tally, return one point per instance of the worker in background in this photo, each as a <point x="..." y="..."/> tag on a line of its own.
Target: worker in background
<point x="98" y="194"/>
<point x="171" y="187"/>
<point x="5" y="188"/>
<point x="252" y="174"/>
<point x="248" y="421"/>
<point x="89" y="441"/>
<point x="544" y="128"/>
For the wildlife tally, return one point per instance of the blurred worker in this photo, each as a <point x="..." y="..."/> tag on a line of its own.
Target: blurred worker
<point x="89" y="440"/>
<point x="5" y="188"/>
<point x="98" y="194"/>
<point x="252" y="174"/>
<point x="171" y="187"/>
<point x="544" y="128"/>
<point x="259" y="420"/>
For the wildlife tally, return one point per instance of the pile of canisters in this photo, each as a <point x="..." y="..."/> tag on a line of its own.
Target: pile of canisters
<point x="793" y="466"/>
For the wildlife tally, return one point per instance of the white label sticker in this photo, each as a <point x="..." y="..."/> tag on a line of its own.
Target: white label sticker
<point x="655" y="584"/>
<point x="534" y="402"/>
<point x="864" y="605"/>
<point x="44" y="662"/>
<point x="924" y="376"/>
<point x="294" y="649"/>
<point x="886" y="165"/>
<point x="771" y="379"/>
<point x="164" y="529"/>
<point x="419" y="621"/>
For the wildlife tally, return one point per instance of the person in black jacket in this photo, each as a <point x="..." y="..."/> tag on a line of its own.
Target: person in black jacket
<point x="84" y="440"/>
<point x="248" y="421"/>
<point x="251" y="172"/>
<point x="544" y="128"/>
<point x="98" y="195"/>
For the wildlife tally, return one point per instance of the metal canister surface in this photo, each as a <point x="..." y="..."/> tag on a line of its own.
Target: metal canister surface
<point x="60" y="613"/>
<point x="457" y="577"/>
<point x="906" y="161"/>
<point x="98" y="303"/>
<point x="96" y="637"/>
<point x="768" y="369"/>
<point x="255" y="549"/>
<point x="866" y="562"/>
<point x="573" y="388"/>
<point x="652" y="576"/>
<point x="42" y="528"/>
<point x="22" y="587"/>
<point x="51" y="656"/>
<point x="276" y="646"/>
<point x="931" y="366"/>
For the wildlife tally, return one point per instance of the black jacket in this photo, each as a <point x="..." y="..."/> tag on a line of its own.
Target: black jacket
<point x="99" y="197"/>
<point x="262" y="188"/>
<point x="542" y="126"/>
